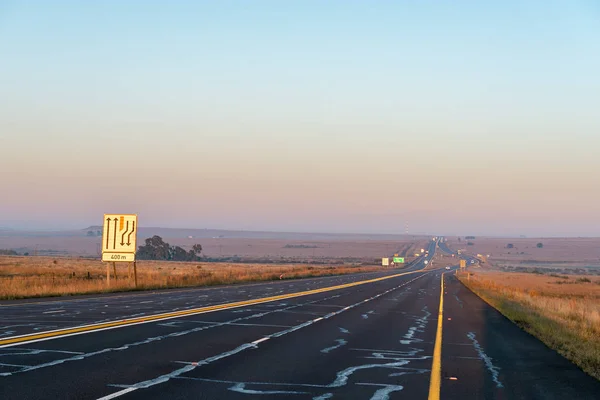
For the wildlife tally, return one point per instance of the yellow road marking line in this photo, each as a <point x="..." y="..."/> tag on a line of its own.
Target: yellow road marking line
<point x="435" y="382"/>
<point x="158" y="317"/>
<point x="159" y="291"/>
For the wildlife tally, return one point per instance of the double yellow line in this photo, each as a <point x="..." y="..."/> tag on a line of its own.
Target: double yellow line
<point x="176" y="314"/>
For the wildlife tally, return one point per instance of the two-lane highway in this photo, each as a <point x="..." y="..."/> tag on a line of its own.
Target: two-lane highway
<point x="24" y="317"/>
<point x="414" y="334"/>
<point x="148" y="354"/>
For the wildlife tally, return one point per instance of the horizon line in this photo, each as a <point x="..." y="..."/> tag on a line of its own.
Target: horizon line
<point x="499" y="236"/>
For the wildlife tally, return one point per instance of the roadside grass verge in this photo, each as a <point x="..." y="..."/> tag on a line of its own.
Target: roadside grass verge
<point x="568" y="324"/>
<point x="26" y="277"/>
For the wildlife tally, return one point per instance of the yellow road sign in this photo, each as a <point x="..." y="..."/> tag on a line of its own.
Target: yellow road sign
<point x="463" y="263"/>
<point x="119" y="237"/>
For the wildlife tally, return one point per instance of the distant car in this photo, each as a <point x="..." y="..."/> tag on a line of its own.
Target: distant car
<point x="447" y="267"/>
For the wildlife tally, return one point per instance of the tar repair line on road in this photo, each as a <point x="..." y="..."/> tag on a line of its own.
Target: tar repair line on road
<point x="37" y="337"/>
<point x="190" y="366"/>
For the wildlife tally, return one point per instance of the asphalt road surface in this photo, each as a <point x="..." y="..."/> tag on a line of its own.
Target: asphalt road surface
<point x="21" y="317"/>
<point x="445" y="249"/>
<point x="383" y="339"/>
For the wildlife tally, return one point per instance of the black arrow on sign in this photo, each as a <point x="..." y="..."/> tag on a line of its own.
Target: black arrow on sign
<point x="115" y="234"/>
<point x="124" y="233"/>
<point x="107" y="231"/>
<point x="129" y="236"/>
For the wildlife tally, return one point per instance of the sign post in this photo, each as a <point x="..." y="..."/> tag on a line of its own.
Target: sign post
<point x="119" y="238"/>
<point x="115" y="270"/>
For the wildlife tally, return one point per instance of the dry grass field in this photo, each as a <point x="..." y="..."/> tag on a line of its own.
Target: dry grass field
<point x="561" y="310"/>
<point x="56" y="270"/>
<point x="557" y="254"/>
<point x="22" y="277"/>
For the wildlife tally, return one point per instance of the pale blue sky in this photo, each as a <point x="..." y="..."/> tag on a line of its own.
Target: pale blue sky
<point x="460" y="117"/>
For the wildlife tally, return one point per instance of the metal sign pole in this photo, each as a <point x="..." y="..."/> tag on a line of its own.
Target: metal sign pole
<point x="135" y="273"/>
<point x="107" y="275"/>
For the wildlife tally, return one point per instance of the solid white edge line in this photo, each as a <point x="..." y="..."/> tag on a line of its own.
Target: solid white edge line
<point x="318" y="319"/>
<point x="117" y="394"/>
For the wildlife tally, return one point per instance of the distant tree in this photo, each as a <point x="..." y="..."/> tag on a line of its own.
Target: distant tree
<point x="154" y="249"/>
<point x="179" y="254"/>
<point x="459" y="239"/>
<point x="98" y="233"/>
<point x="510" y="246"/>
<point x="197" y="249"/>
<point x="470" y="243"/>
<point x="176" y="253"/>
<point x="90" y="233"/>
<point x="7" y="252"/>
<point x="157" y="249"/>
<point x="540" y="245"/>
<point x="470" y="237"/>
